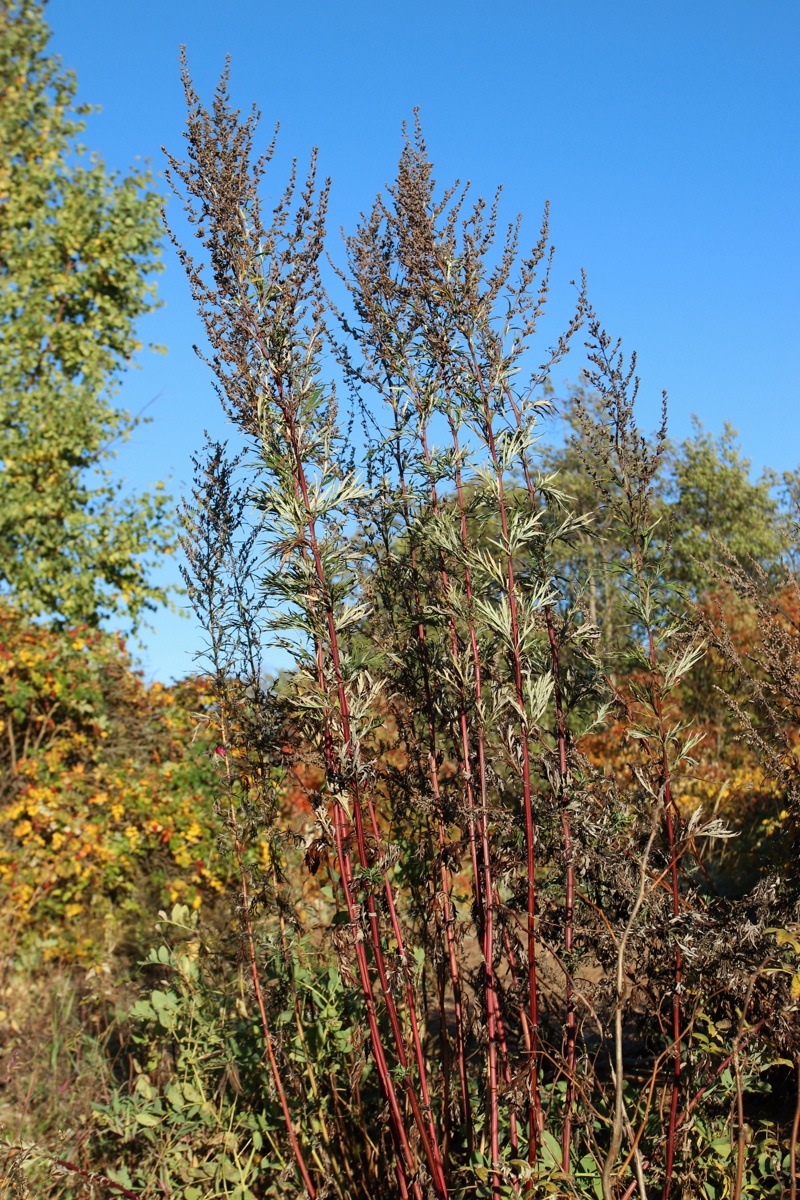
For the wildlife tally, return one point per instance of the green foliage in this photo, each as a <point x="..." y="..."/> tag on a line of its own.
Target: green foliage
<point x="704" y="497"/>
<point x="196" y="1116"/>
<point x="589" y="564"/>
<point x="78" y="245"/>
<point x="714" y="500"/>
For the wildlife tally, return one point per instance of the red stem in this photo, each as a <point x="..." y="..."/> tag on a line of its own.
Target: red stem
<point x="428" y="1136"/>
<point x="535" y="1108"/>
<point x="405" y="1161"/>
<point x="253" y="961"/>
<point x="455" y="977"/>
<point x="486" y="910"/>
<point x="569" y="905"/>
<point x="96" y="1176"/>
<point x="566" y="826"/>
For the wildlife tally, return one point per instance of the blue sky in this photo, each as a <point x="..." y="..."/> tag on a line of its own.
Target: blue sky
<point x="664" y="134"/>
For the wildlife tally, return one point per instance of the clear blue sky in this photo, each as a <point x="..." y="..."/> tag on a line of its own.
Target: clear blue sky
<point x="665" y="135"/>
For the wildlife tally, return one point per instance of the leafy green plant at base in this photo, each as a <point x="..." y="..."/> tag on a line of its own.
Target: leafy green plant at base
<point x="198" y="1116"/>
<point x="186" y="1121"/>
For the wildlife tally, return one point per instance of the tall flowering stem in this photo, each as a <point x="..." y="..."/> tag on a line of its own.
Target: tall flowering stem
<point x="492" y="892"/>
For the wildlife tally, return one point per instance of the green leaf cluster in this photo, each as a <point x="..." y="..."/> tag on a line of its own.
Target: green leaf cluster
<point x="200" y="1116"/>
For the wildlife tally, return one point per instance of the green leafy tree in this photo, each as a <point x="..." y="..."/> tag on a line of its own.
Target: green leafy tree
<point x="704" y="496"/>
<point x="78" y="248"/>
<point x="589" y="563"/>
<point x="716" y="501"/>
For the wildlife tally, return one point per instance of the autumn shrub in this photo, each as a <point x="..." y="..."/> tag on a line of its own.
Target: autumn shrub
<point x="727" y="780"/>
<point x="106" y="792"/>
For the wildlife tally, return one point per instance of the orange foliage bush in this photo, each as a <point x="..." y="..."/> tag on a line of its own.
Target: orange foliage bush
<point x="107" y="787"/>
<point x="726" y="778"/>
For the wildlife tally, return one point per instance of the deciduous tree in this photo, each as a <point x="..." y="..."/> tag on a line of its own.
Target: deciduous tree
<point x="78" y="248"/>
